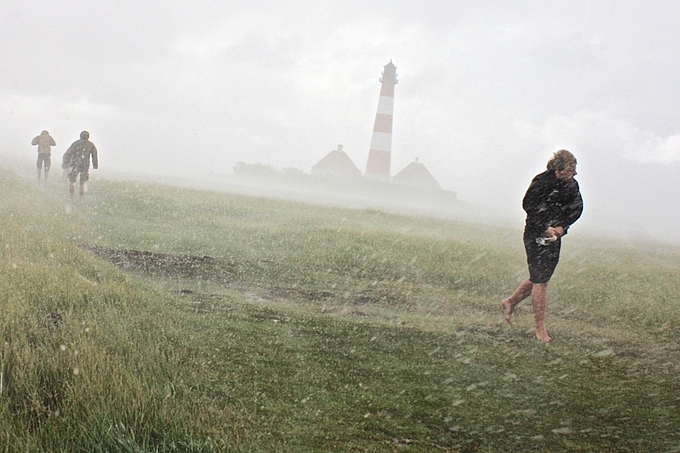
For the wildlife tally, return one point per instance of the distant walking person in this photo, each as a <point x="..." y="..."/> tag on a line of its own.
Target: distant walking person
<point x="552" y="203"/>
<point x="77" y="161"/>
<point x="45" y="142"/>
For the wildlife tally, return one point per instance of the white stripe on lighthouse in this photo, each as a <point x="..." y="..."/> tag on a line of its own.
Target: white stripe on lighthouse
<point x="381" y="141"/>
<point x="386" y="105"/>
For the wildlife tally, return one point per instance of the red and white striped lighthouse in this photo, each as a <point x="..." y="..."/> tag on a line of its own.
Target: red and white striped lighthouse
<point x="379" y="156"/>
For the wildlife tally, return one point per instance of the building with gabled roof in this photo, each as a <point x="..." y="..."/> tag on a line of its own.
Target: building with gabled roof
<point x="336" y="164"/>
<point x="415" y="175"/>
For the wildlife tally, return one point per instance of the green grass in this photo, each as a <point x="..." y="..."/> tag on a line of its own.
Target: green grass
<point x="259" y="325"/>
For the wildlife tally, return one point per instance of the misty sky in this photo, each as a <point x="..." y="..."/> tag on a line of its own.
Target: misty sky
<point x="487" y="90"/>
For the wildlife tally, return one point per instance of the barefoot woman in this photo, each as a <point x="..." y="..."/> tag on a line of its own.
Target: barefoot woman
<point x="552" y="203"/>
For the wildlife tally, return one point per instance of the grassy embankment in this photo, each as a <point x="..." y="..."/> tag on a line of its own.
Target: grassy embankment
<point x="261" y="325"/>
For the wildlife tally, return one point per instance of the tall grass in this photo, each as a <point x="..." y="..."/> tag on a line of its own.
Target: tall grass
<point x="82" y="357"/>
<point x="313" y="328"/>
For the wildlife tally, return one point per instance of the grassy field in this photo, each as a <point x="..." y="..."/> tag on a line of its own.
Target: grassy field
<point x="159" y="319"/>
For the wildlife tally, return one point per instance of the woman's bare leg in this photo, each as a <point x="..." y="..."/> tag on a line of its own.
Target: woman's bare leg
<point x="538" y="300"/>
<point x="522" y="292"/>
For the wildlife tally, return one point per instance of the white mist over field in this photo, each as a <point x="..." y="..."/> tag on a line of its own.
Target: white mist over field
<point x="487" y="91"/>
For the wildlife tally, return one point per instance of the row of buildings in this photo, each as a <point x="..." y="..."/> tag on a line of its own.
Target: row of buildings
<point x="337" y="164"/>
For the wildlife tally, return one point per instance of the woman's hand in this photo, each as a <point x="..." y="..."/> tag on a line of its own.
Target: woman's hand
<point x="557" y="232"/>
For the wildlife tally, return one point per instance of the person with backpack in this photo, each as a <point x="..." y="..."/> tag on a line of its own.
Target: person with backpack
<point x="44" y="142"/>
<point x="77" y="160"/>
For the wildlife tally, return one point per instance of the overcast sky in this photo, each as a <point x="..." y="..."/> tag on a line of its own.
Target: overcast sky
<point x="487" y="90"/>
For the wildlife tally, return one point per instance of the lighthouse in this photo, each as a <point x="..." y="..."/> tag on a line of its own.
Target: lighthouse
<point x="380" y="153"/>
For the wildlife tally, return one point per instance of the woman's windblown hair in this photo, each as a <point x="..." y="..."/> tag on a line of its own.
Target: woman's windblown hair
<point x="561" y="160"/>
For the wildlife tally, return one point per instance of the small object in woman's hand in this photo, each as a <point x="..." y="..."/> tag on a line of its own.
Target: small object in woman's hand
<point x="546" y="240"/>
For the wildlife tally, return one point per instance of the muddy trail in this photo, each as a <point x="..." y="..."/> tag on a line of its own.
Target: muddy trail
<point x="228" y="274"/>
<point x="159" y="265"/>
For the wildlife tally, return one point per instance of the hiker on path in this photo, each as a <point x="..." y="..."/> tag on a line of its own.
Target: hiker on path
<point x="44" y="142"/>
<point x="77" y="161"/>
<point x="552" y="203"/>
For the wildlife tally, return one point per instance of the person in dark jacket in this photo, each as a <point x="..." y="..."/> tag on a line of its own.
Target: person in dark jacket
<point x="552" y="203"/>
<point x="77" y="161"/>
<point x="44" y="142"/>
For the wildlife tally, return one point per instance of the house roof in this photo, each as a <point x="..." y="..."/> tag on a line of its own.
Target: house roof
<point x="337" y="163"/>
<point x="415" y="174"/>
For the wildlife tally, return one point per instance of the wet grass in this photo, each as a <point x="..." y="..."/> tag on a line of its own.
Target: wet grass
<point x="310" y="328"/>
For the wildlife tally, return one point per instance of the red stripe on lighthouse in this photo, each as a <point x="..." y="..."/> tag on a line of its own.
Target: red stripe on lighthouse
<point x="387" y="89"/>
<point x="383" y="123"/>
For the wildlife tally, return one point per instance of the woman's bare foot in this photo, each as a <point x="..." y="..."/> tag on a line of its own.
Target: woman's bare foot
<point x="509" y="310"/>
<point x="543" y="336"/>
